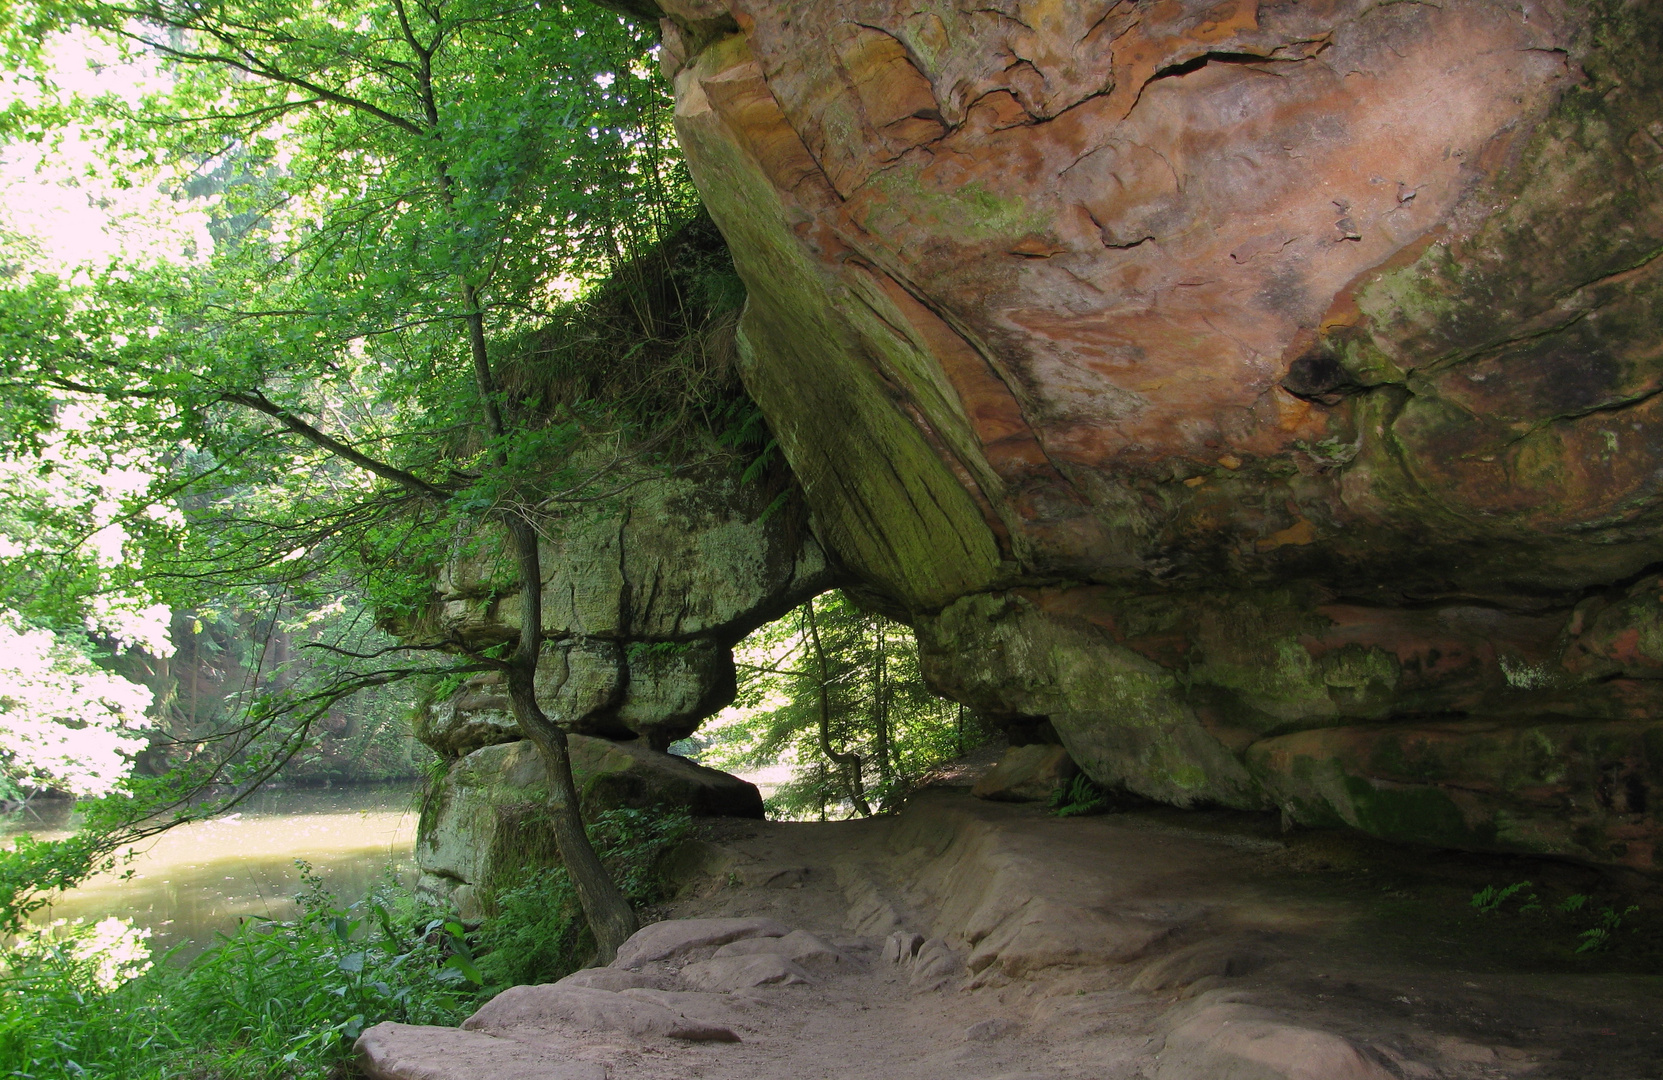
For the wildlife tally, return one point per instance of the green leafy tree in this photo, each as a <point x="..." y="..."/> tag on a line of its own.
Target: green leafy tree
<point x="838" y="692"/>
<point x="406" y="192"/>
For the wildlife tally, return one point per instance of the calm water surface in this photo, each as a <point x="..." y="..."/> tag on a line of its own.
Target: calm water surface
<point x="199" y="879"/>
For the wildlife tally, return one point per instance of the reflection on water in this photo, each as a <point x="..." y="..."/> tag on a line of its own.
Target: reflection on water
<point x="198" y="879"/>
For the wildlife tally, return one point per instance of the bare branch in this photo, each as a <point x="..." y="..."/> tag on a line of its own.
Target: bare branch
<point x="259" y="403"/>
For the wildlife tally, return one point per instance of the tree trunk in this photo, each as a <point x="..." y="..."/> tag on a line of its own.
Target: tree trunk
<point x="880" y="705"/>
<point x="611" y="919"/>
<point x="850" y="762"/>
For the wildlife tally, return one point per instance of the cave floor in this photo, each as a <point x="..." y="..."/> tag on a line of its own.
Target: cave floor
<point x="1143" y="943"/>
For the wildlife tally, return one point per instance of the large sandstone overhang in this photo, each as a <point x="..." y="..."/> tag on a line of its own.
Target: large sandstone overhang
<point x="1206" y="376"/>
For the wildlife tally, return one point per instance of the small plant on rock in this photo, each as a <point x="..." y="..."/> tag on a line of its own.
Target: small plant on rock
<point x="1078" y="797"/>
<point x="1597" y="938"/>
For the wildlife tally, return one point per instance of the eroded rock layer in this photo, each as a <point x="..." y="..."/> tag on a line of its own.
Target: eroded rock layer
<point x="1265" y="392"/>
<point x="644" y="596"/>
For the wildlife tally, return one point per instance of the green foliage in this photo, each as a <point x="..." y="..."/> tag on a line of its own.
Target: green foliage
<point x="1079" y="797"/>
<point x="537" y="933"/>
<point x="274" y="999"/>
<point x="398" y="196"/>
<point x="879" y="709"/>
<point x="1598" y="937"/>
<point x="650" y="350"/>
<point x="286" y="999"/>
<point x="1489" y="899"/>
<point x="1577" y="910"/>
<point x="363" y="215"/>
<point x="641" y="651"/>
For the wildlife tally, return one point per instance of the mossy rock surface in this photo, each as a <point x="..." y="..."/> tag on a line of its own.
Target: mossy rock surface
<point x="489" y="818"/>
<point x="1586" y="790"/>
<point x="1550" y="741"/>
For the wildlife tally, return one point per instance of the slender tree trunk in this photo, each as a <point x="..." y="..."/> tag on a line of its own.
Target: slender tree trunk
<point x="880" y="704"/>
<point x="611" y="919"/>
<point x="849" y="763"/>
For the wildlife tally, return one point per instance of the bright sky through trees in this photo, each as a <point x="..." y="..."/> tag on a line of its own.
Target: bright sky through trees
<point x="60" y="207"/>
<point x="65" y="722"/>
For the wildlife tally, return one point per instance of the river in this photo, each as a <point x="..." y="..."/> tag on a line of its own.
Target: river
<point x="198" y="880"/>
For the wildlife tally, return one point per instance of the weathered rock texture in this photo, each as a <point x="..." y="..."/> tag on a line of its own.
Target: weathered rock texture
<point x="1264" y="392"/>
<point x="1037" y="771"/>
<point x="643" y="599"/>
<point x="488" y="819"/>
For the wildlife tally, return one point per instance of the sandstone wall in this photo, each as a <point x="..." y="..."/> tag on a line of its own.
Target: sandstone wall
<point x="1265" y="392"/>
<point x="644" y="596"/>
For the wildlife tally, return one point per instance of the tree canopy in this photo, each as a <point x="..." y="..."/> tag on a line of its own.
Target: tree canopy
<point x="401" y="197"/>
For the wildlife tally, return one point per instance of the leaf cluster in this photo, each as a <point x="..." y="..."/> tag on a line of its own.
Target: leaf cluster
<point x="273" y="999"/>
<point x="879" y="709"/>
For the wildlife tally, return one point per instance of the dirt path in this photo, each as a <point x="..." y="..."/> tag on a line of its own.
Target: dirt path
<point x="1155" y="945"/>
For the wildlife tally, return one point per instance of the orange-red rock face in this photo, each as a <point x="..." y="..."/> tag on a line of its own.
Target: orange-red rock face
<point x="1192" y="299"/>
<point x="1125" y="267"/>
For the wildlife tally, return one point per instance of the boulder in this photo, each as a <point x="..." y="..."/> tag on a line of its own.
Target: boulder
<point x="1583" y="790"/>
<point x="1213" y="959"/>
<point x="1262" y="703"/>
<point x="901" y="946"/>
<point x="678" y="937"/>
<point x="1032" y="773"/>
<point x="529" y="1011"/>
<point x="391" y="1051"/>
<point x="799" y="947"/>
<point x="1322" y="426"/>
<point x="936" y="963"/>
<point x="697" y="1005"/>
<point x="1237" y="1040"/>
<point x="610" y="978"/>
<point x="578" y="684"/>
<point x="488" y="817"/>
<point x="726" y="974"/>
<point x="673" y="557"/>
<point x="1117" y="311"/>
<point x="643" y="597"/>
<point x="674" y="685"/>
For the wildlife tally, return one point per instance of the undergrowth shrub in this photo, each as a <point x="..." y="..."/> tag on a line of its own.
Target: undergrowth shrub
<point x="284" y="1000"/>
<point x="273" y="999"/>
<point x="537" y="932"/>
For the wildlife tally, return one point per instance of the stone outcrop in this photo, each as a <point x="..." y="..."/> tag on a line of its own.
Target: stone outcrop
<point x="644" y="596"/>
<point x="1264" y="393"/>
<point x="1036" y="772"/>
<point x="488" y="820"/>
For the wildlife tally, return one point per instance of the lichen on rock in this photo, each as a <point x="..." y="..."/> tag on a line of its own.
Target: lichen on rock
<point x="644" y="597"/>
<point x="1209" y="379"/>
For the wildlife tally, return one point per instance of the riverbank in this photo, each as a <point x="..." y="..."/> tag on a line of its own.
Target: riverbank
<point x="199" y="880"/>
